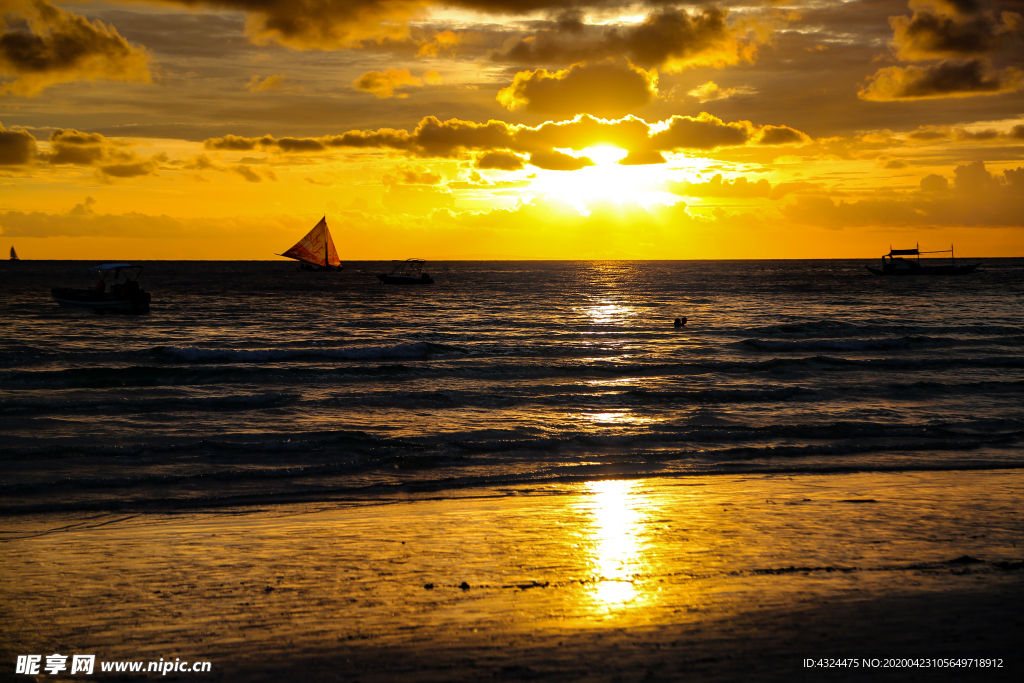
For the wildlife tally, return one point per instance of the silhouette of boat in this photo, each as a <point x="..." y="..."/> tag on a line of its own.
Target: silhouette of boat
<point x="894" y="263"/>
<point x="407" y="272"/>
<point x="124" y="296"/>
<point x="316" y="250"/>
<point x="14" y="255"/>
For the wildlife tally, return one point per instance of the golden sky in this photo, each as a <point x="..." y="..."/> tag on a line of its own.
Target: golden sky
<point x="570" y="129"/>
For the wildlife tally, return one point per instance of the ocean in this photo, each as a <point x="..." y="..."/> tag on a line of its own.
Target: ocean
<point x="255" y="383"/>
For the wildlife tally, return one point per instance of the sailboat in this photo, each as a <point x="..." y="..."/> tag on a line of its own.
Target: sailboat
<point x="316" y="250"/>
<point x="14" y="255"/>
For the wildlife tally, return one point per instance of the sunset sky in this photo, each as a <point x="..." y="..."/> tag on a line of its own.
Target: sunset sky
<point x="575" y="129"/>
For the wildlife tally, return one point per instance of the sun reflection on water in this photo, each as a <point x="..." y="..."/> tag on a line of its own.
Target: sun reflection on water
<point x="616" y="534"/>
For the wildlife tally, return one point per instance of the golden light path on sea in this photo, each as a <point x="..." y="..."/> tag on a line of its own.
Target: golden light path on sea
<point x="614" y="527"/>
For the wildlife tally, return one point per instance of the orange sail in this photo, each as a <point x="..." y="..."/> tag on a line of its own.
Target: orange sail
<point x="316" y="247"/>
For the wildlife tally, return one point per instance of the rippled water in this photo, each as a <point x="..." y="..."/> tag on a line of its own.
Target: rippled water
<point x="253" y="381"/>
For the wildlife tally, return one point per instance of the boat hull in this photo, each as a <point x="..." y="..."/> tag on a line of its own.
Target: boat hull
<point x="924" y="270"/>
<point x="85" y="298"/>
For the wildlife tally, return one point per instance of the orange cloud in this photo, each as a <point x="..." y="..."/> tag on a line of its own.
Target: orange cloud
<point x="605" y="89"/>
<point x="411" y="176"/>
<point x="259" y="84"/>
<point x="446" y="43"/>
<point x="710" y="91"/>
<point x="977" y="198"/>
<point x="738" y="188"/>
<point x="49" y="46"/>
<point x="384" y="83"/>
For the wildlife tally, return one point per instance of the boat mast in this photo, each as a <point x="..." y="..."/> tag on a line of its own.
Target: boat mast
<point x="327" y="264"/>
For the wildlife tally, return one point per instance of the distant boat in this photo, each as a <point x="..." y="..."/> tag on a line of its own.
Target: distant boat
<point x="407" y="272"/>
<point x="14" y="255"/>
<point x="316" y="250"/>
<point x="124" y="296"/>
<point x="893" y="263"/>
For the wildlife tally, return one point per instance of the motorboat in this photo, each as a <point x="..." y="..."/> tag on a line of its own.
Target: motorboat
<point x="407" y="272"/>
<point x="316" y="251"/>
<point x="124" y="295"/>
<point x="896" y="263"/>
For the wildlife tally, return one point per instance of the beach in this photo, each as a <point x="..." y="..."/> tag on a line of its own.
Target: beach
<point x="704" y="578"/>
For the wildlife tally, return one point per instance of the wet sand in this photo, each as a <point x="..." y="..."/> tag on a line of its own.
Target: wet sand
<point x="700" y="578"/>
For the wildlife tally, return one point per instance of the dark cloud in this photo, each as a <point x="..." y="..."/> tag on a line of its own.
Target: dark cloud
<point x="934" y="183"/>
<point x="201" y="162"/>
<point x="946" y="79"/>
<point x="558" y="161"/>
<point x="701" y="132"/>
<point x="929" y="134"/>
<point x="17" y="147"/>
<point x="642" y="158"/>
<point x="929" y="35"/>
<point x="781" y="135"/>
<point x="49" y="45"/>
<point x="501" y="161"/>
<point x="446" y="139"/>
<point x="644" y="142"/>
<point x="609" y="89"/>
<point x="111" y="158"/>
<point x="669" y="39"/>
<point x="133" y="169"/>
<point x="974" y="178"/>
<point x="321" y="24"/>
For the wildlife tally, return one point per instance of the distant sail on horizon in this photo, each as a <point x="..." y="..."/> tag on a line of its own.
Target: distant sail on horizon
<point x="316" y="248"/>
<point x="14" y="255"/>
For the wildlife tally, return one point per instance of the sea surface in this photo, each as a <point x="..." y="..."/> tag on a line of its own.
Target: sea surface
<point x="254" y="382"/>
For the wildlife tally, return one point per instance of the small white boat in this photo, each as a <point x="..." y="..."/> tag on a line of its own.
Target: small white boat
<point x="14" y="255"/>
<point x="407" y="272"/>
<point x="316" y="250"/>
<point x="124" y="295"/>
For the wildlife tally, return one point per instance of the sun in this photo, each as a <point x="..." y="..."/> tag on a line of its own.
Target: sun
<point x="606" y="180"/>
<point x="603" y="155"/>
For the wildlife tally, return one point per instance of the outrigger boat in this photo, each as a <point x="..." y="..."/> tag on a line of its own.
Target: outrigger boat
<point x="316" y="250"/>
<point x="893" y="263"/>
<point x="124" y="296"/>
<point x="407" y="272"/>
